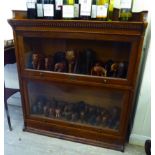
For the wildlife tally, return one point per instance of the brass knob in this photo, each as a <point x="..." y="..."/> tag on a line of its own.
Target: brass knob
<point x="41" y="74"/>
<point x="105" y="81"/>
<point x="72" y="77"/>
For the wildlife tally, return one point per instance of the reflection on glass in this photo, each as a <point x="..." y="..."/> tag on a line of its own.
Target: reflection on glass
<point x="83" y="105"/>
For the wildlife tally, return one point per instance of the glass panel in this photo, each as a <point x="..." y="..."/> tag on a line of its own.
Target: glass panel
<point x="89" y="106"/>
<point x="86" y="57"/>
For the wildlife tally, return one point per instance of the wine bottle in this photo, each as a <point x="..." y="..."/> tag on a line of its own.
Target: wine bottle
<point x="125" y="11"/>
<point x="31" y="9"/>
<point x="39" y="8"/>
<point x="116" y="10"/>
<point x="110" y="10"/>
<point x="139" y="13"/>
<point x="102" y="9"/>
<point x="93" y="10"/>
<point x="58" y="9"/>
<point x="85" y="9"/>
<point x="68" y="9"/>
<point x="48" y="9"/>
<point x="76" y="9"/>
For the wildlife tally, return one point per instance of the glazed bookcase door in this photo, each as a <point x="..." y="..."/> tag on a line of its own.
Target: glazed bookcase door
<point x="85" y="106"/>
<point x="89" y="60"/>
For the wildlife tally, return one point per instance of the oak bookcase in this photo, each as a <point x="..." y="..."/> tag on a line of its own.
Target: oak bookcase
<point x="76" y="105"/>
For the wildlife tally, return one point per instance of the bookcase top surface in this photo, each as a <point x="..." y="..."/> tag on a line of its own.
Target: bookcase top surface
<point x="107" y="27"/>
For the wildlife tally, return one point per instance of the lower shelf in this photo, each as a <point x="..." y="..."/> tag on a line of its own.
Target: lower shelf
<point x="71" y="135"/>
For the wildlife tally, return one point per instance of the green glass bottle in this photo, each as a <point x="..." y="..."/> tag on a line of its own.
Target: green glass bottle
<point x="31" y="9"/>
<point x="58" y="9"/>
<point x="125" y="10"/>
<point x="39" y="7"/>
<point x="48" y="8"/>
<point x="102" y="9"/>
<point x="76" y="9"/>
<point x="68" y="9"/>
<point x="110" y="10"/>
<point x="85" y="9"/>
<point x="116" y="10"/>
<point x="93" y="10"/>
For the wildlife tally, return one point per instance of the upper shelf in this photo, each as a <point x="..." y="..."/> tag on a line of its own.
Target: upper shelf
<point x="21" y="23"/>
